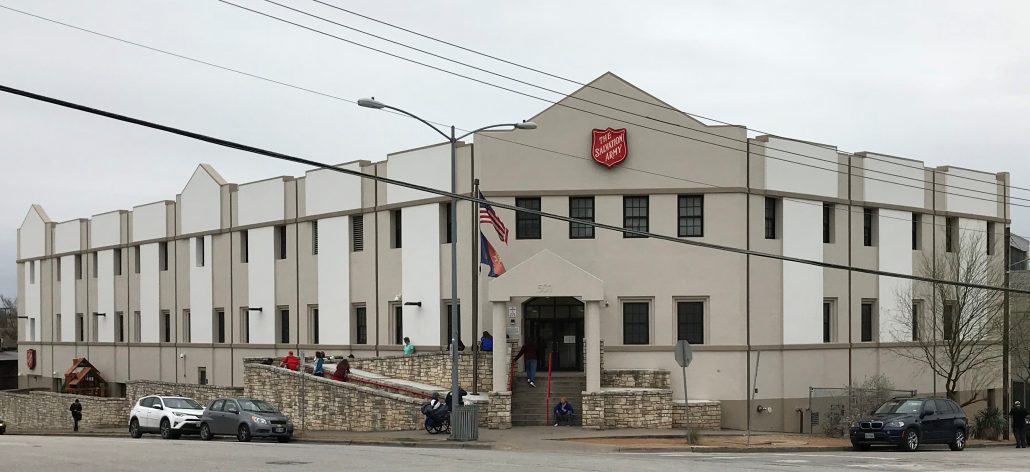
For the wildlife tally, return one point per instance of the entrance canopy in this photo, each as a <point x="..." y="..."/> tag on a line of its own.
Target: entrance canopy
<point x="546" y="274"/>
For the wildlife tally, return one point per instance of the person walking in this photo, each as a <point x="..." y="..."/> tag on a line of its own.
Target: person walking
<point x="1018" y="415"/>
<point x="486" y="343"/>
<point x="76" y="410"/>
<point x="529" y="350"/>
<point x="409" y="348"/>
<point x="319" y="364"/>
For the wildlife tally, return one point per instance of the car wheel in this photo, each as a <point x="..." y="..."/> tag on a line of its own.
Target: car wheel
<point x="205" y="432"/>
<point x="909" y="440"/>
<point x="959" y="443"/>
<point x="243" y="434"/>
<point x="284" y="439"/>
<point x="859" y="446"/>
<point x="134" y="430"/>
<point x="166" y="429"/>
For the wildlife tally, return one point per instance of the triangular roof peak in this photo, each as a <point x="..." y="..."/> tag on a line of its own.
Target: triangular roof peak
<point x="208" y="171"/>
<point x="37" y="210"/>
<point x="547" y="269"/>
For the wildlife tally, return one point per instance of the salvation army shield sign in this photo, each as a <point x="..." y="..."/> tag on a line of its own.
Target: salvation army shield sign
<point x="609" y="146"/>
<point x="30" y="359"/>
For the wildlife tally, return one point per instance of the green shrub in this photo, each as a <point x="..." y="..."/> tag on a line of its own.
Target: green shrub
<point x="989" y="424"/>
<point x="693" y="436"/>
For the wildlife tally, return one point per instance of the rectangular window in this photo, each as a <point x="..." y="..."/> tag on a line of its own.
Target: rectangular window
<point x="78" y="267"/>
<point x="867" y="322"/>
<point x="202" y="375"/>
<point x="80" y="328"/>
<point x="117" y="261"/>
<point x="827" y="321"/>
<point x="166" y="326"/>
<point x="59" y="264"/>
<point x="770" y="218"/>
<point x="360" y="325"/>
<point x="32" y="272"/>
<point x="581" y="208"/>
<point x="137" y="319"/>
<point x="280" y="242"/>
<point x="92" y="331"/>
<point x="636" y="318"/>
<point x="917" y="312"/>
<point x="314" y="238"/>
<point x="950" y="233"/>
<point x="135" y="258"/>
<point x="396" y="234"/>
<point x="357" y="233"/>
<point x="867" y="226"/>
<point x="219" y="327"/>
<point x="690" y="322"/>
<point x="445" y="223"/>
<point x="447" y="335"/>
<point x="162" y="256"/>
<point x="244" y="325"/>
<point x="96" y="263"/>
<point x="527" y="225"/>
<point x="284" y="325"/>
<point x="32" y="329"/>
<point x="119" y="327"/>
<point x="244" y="247"/>
<point x="828" y="209"/>
<point x="917" y="222"/>
<point x="57" y="328"/>
<point x="691" y="215"/>
<point x="950" y="321"/>
<point x="990" y="238"/>
<point x="635" y="215"/>
<point x="185" y="326"/>
<point x="313" y="324"/>
<point x="398" y="324"/>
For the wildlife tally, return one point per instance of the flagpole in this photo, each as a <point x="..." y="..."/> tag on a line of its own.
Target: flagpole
<point x="475" y="280"/>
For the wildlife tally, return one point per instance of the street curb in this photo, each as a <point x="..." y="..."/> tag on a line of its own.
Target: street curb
<point x="767" y="450"/>
<point x="435" y="444"/>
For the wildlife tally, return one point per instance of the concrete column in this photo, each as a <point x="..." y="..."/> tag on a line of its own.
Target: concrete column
<point x="500" y="356"/>
<point x="592" y="332"/>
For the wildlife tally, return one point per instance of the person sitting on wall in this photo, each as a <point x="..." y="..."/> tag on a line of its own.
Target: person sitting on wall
<point x="319" y="364"/>
<point x="290" y="361"/>
<point x="342" y="371"/>
<point x="563" y="412"/>
<point x="461" y="398"/>
<point x="487" y="342"/>
<point x="409" y="348"/>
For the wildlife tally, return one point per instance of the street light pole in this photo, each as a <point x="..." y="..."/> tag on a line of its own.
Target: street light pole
<point x="453" y="222"/>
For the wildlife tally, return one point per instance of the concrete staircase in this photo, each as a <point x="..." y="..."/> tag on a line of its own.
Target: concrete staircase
<point x="529" y="405"/>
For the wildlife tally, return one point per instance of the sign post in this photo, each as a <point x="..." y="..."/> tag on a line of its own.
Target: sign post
<point x="683" y="357"/>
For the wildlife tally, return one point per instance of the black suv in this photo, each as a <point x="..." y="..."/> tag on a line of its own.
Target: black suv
<point x="907" y="422"/>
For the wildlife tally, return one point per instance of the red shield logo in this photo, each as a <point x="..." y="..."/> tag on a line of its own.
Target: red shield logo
<point x="609" y="146"/>
<point x="30" y="358"/>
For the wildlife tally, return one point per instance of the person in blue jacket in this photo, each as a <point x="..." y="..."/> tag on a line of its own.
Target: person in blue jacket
<point x="487" y="342"/>
<point x="563" y="412"/>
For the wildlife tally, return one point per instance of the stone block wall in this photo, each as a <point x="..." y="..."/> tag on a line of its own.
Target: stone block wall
<point x="36" y="410"/>
<point x="704" y="414"/>
<point x="319" y="404"/>
<point x="432" y="368"/>
<point x="499" y="411"/>
<point x="135" y="389"/>
<point x="629" y="408"/>
<point x="636" y="378"/>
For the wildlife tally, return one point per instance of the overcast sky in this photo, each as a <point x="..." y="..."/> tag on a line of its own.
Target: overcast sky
<point x="942" y="82"/>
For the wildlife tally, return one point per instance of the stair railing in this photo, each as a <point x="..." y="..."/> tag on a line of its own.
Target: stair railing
<point x="547" y="402"/>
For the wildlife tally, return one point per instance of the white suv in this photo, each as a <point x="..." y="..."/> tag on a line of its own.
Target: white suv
<point x="169" y="416"/>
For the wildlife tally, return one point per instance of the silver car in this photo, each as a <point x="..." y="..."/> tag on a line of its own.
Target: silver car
<point x="244" y="418"/>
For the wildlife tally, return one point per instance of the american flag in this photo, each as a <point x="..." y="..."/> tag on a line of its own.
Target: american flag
<point x="488" y="215"/>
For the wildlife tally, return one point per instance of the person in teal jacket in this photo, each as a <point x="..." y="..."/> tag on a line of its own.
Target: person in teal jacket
<point x="409" y="348"/>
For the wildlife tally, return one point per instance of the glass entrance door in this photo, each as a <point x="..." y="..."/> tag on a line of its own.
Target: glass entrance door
<point x="556" y="323"/>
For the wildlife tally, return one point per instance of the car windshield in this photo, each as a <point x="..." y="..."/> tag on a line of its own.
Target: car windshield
<point x="182" y="404"/>
<point x="257" y="406"/>
<point x="901" y="406"/>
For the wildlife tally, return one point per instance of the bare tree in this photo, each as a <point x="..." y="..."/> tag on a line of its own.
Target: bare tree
<point x="1019" y="326"/>
<point x="955" y="330"/>
<point x="8" y="321"/>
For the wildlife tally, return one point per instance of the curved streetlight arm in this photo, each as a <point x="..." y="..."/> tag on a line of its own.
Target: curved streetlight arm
<point x="448" y="138"/>
<point x="503" y="125"/>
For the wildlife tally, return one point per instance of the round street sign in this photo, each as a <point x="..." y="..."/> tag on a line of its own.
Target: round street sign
<point x="683" y="353"/>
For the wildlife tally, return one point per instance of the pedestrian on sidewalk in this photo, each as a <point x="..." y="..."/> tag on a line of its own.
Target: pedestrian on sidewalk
<point x="1018" y="415"/>
<point x="529" y="350"/>
<point x="319" y="364"/>
<point x="563" y="412"/>
<point x="409" y="348"/>
<point x="487" y="342"/>
<point x="76" y="410"/>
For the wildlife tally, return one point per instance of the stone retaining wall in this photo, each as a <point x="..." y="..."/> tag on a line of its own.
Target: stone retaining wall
<point x="49" y="411"/>
<point x="636" y="378"/>
<point x="319" y="404"/>
<point x="704" y="414"/>
<point x="432" y="368"/>
<point x="629" y="408"/>
<point x="498" y="412"/>
<point x="135" y="389"/>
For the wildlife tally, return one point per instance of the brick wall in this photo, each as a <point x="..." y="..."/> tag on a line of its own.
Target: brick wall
<point x="320" y="404"/>
<point x="704" y="414"/>
<point x="202" y="393"/>
<point x="432" y="368"/>
<point x="636" y="378"/>
<point x="498" y="412"/>
<point x="49" y="411"/>
<point x="630" y="408"/>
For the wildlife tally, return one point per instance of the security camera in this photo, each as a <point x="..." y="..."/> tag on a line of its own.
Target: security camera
<point x="397" y="297"/>
<point x="182" y="356"/>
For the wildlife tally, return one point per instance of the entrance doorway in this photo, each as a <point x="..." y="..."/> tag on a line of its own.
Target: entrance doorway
<point x="557" y="325"/>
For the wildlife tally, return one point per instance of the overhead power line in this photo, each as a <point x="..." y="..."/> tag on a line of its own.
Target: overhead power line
<point x="444" y="193"/>
<point x="841" y="208"/>
<point x="628" y="97"/>
<point x="665" y="122"/>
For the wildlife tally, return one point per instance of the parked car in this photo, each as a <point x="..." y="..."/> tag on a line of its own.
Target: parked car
<point x="3" y="427"/>
<point x="909" y="422"/>
<point x="169" y="416"/>
<point x="245" y="418"/>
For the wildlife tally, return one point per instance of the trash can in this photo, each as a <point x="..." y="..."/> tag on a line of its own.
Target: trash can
<point x="465" y="423"/>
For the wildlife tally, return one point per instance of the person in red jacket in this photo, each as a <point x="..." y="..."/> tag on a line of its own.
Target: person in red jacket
<point x="290" y="361"/>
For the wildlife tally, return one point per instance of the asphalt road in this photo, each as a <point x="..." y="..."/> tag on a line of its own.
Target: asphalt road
<point x="44" y="453"/>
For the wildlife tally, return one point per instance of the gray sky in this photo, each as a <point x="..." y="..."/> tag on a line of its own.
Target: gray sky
<point x="947" y="83"/>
